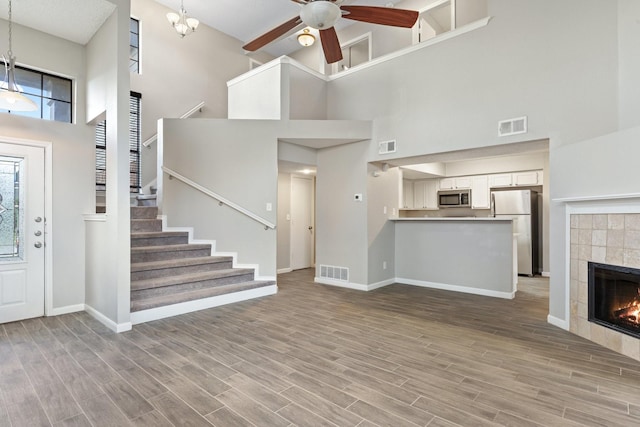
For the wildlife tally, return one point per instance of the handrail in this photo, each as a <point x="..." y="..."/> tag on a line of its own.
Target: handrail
<point x="221" y="200"/>
<point x="189" y="113"/>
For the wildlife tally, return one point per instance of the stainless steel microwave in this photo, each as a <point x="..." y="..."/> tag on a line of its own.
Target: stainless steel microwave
<point x="454" y="199"/>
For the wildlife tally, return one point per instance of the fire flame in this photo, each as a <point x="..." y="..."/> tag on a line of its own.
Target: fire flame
<point x="630" y="313"/>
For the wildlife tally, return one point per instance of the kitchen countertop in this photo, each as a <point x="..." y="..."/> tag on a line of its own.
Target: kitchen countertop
<point x="451" y="219"/>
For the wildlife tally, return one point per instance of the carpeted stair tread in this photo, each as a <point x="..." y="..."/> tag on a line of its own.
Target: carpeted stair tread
<point x="188" y="278"/>
<point x="179" y="262"/>
<point x="171" y="248"/>
<point x="164" y="300"/>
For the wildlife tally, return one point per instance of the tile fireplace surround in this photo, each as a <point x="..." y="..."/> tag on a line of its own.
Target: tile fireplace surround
<point x="610" y="239"/>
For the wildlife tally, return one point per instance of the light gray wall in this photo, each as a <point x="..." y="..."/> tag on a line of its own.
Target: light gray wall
<point x="178" y="73"/>
<point x="341" y="222"/>
<point x="480" y="256"/>
<point x="522" y="162"/>
<point x="73" y="158"/>
<point x="307" y="95"/>
<point x="258" y="95"/>
<point x="236" y="159"/>
<point x="382" y="192"/>
<point x="284" y="224"/>
<point x="629" y="64"/>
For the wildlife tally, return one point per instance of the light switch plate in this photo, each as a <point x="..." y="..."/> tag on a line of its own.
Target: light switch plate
<point x="269" y="207"/>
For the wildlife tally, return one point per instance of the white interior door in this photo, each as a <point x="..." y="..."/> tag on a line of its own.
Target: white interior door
<point x="302" y="227"/>
<point x="22" y="232"/>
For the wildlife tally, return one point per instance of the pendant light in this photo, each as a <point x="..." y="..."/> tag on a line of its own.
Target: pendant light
<point x="181" y="22"/>
<point x="306" y="38"/>
<point x="10" y="96"/>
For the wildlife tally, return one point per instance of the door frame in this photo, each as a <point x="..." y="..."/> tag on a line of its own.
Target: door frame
<point x="313" y="218"/>
<point x="47" y="146"/>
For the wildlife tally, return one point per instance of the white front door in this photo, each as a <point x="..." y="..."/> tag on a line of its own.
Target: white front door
<point x="22" y="232"/>
<point x="301" y="222"/>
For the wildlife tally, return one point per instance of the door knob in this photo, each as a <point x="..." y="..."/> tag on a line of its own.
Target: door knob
<point x="310" y="228"/>
<point x="38" y="245"/>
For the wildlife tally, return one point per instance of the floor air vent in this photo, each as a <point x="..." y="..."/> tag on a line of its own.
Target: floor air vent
<point x="386" y="147"/>
<point x="334" y="273"/>
<point x="512" y="126"/>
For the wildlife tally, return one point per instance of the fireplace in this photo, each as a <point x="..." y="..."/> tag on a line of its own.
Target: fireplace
<point x="614" y="297"/>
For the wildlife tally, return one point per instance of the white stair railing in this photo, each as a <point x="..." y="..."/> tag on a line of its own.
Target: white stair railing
<point x="221" y="200"/>
<point x="189" y="113"/>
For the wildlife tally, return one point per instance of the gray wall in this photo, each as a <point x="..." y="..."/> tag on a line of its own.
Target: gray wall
<point x="284" y="224"/>
<point x="341" y="222"/>
<point x="178" y="73"/>
<point x="236" y="159"/>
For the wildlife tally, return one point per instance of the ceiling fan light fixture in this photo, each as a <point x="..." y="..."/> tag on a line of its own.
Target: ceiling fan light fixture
<point x="320" y="14"/>
<point x="305" y="38"/>
<point x="181" y="22"/>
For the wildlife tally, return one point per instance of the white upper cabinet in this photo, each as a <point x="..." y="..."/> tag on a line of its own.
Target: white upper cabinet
<point x="425" y="194"/>
<point x="407" y="194"/>
<point x="480" y="192"/>
<point x="516" y="179"/>
<point x="500" y="180"/>
<point x="460" y="182"/>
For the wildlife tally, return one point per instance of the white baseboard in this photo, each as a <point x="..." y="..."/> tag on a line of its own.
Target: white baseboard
<point x="545" y="274"/>
<point x="560" y="323"/>
<point x="381" y="284"/>
<point x="66" y="310"/>
<point x="115" y="327"/>
<point x="457" y="288"/>
<point x="341" y="284"/>
<point x="143" y="316"/>
<point x="285" y="270"/>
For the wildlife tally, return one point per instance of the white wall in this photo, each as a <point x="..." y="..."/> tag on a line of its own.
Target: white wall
<point x="629" y="63"/>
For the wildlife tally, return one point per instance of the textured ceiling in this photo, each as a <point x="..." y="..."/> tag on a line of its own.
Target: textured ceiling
<point x="75" y="20"/>
<point x="78" y="20"/>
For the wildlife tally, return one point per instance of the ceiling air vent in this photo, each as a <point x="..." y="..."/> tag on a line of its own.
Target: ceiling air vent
<point x="512" y="126"/>
<point x="386" y="147"/>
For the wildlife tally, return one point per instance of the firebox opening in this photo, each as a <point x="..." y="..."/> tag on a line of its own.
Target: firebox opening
<point x="614" y="297"/>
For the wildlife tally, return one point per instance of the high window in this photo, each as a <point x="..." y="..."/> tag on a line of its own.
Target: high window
<point x="134" y="46"/>
<point x="134" y="147"/>
<point x="52" y="94"/>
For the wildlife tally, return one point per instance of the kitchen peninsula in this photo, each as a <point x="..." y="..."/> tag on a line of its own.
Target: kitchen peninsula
<point x="472" y="255"/>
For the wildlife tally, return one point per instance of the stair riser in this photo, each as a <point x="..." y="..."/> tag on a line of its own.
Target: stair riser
<point x="139" y="225"/>
<point x="163" y="256"/>
<point x="174" y="271"/>
<point x="144" y="212"/>
<point x="175" y="289"/>
<point x="137" y="242"/>
<point x="150" y="202"/>
<point x="220" y="290"/>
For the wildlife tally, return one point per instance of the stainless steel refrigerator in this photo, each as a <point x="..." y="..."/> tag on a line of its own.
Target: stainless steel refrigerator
<point x="522" y="207"/>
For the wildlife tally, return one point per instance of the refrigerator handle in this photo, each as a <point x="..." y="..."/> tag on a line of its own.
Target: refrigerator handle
<point x="493" y="205"/>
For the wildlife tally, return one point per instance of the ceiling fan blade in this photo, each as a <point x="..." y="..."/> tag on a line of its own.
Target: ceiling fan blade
<point x="272" y="35"/>
<point x="381" y="15"/>
<point x="330" y="45"/>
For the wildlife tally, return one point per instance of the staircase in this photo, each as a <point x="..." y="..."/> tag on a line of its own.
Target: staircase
<point x="171" y="276"/>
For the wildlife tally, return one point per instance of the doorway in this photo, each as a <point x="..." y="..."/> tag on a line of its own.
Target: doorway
<point x="302" y="222"/>
<point x="22" y="232"/>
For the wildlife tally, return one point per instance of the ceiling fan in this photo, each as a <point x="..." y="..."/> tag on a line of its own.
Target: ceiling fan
<point x="323" y="14"/>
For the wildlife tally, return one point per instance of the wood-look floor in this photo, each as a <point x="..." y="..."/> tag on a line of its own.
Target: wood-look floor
<point x="316" y="355"/>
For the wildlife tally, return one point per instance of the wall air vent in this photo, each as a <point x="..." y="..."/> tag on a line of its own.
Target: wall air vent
<point x="512" y="126"/>
<point x="334" y="273"/>
<point x="386" y="147"/>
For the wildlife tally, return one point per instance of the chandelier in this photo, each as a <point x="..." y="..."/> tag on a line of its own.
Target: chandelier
<point x="181" y="22"/>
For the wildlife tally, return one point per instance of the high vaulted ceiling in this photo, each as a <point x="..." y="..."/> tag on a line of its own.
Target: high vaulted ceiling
<point x="78" y="20"/>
